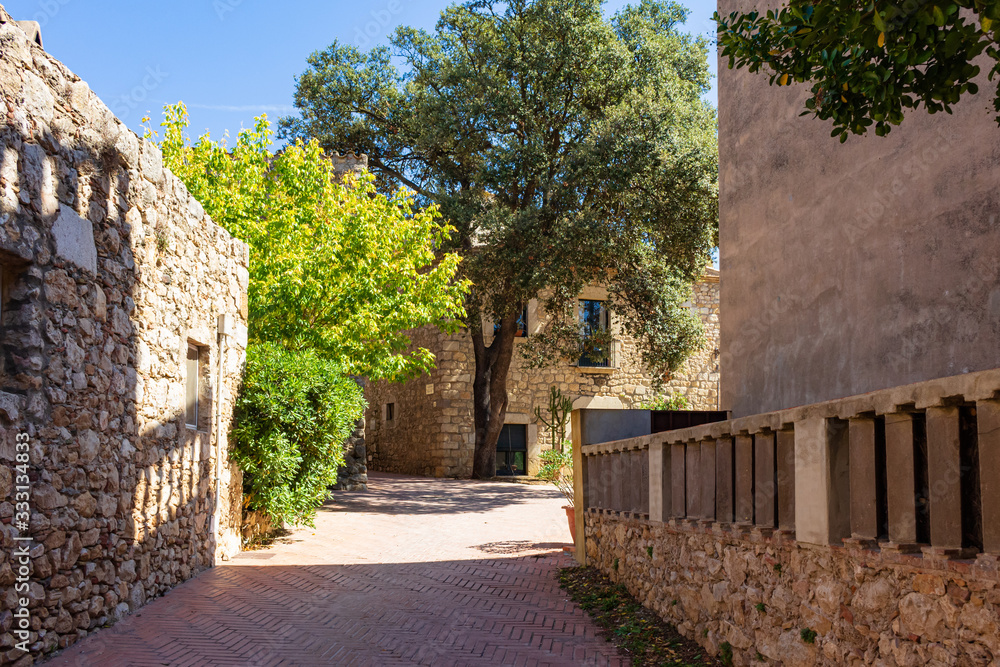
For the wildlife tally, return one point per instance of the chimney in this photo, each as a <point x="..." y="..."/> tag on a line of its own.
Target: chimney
<point x="348" y="163"/>
<point x="32" y="29"/>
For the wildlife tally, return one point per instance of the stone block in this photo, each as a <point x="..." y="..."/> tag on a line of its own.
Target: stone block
<point x="74" y="239"/>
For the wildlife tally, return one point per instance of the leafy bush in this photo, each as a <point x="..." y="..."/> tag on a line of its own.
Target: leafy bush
<point x="557" y="467"/>
<point x="674" y="402"/>
<point x="293" y="414"/>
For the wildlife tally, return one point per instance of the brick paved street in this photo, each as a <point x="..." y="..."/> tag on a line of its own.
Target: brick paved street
<point x="414" y="572"/>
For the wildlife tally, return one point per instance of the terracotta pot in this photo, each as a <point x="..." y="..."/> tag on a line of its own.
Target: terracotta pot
<point x="571" y="516"/>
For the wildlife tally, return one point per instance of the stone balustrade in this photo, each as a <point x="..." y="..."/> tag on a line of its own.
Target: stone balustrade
<point x="619" y="476"/>
<point x="864" y="530"/>
<point x="911" y="468"/>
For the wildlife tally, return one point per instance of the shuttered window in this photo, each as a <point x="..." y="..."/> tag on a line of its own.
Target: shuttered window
<point x="191" y="413"/>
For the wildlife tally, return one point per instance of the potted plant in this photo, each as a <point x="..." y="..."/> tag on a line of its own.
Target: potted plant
<point x="557" y="468"/>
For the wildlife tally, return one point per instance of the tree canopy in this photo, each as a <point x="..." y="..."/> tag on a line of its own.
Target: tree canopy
<point x="565" y="148"/>
<point x="867" y="62"/>
<point x="334" y="267"/>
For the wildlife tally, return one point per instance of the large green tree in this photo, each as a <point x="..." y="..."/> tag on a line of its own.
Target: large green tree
<point x="868" y="61"/>
<point x="334" y="266"/>
<point x="565" y="148"/>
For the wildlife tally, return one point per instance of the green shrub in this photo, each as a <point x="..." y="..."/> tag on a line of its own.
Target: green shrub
<point x="672" y="402"/>
<point x="293" y="414"/>
<point x="557" y="467"/>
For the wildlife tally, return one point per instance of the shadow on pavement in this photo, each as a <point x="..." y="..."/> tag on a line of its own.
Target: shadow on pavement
<point x="421" y="495"/>
<point x="495" y="611"/>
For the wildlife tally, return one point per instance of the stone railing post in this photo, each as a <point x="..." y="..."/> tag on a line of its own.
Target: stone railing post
<point x="678" y="504"/>
<point x="764" y="482"/>
<point x="944" y="477"/>
<point x="785" y="446"/>
<point x="581" y="491"/>
<point x="724" y="480"/>
<point x="617" y="481"/>
<point x="900" y="482"/>
<point x="864" y="513"/>
<point x="821" y="515"/>
<point x="693" y="477"/>
<point x="988" y="421"/>
<point x="744" y="479"/>
<point x="659" y="481"/>
<point x="642" y="484"/>
<point x="706" y="480"/>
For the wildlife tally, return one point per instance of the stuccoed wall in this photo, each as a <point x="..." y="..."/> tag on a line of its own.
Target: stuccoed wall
<point x="865" y="607"/>
<point x="432" y="433"/>
<point x="110" y="269"/>
<point x="852" y="267"/>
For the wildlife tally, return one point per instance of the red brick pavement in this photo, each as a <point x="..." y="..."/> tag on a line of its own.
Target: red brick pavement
<point x="414" y="572"/>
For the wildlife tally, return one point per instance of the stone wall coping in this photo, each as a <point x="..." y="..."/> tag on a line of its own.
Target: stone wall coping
<point x="979" y="386"/>
<point x="628" y="444"/>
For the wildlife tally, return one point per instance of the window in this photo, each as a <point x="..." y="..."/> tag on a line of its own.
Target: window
<point x="522" y="325"/>
<point x="390" y="412"/>
<point x="193" y="391"/>
<point x="593" y="319"/>
<point x="512" y="450"/>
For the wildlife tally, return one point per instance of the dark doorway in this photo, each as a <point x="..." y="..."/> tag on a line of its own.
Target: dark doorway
<point x="512" y="450"/>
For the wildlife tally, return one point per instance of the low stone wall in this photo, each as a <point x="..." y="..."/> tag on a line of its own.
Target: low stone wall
<point x="760" y="594"/>
<point x="353" y="475"/>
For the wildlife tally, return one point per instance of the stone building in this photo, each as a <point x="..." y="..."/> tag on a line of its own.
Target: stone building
<point x="425" y="426"/>
<point x="122" y="339"/>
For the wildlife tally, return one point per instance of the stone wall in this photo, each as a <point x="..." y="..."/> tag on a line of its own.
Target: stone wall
<point x="759" y="594"/>
<point x="110" y="271"/>
<point x="432" y="430"/>
<point x="353" y="475"/>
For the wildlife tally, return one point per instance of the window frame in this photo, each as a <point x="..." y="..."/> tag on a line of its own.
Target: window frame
<point x="604" y="324"/>
<point x="194" y="377"/>
<point x="522" y="328"/>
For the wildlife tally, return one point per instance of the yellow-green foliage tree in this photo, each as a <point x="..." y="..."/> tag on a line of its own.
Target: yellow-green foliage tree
<point x="334" y="267"/>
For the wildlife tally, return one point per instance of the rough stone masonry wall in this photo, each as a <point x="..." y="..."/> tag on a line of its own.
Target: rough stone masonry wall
<point x="110" y="269"/>
<point x="759" y="594"/>
<point x="432" y="433"/>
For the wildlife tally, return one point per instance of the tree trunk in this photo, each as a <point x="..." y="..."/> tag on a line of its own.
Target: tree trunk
<point x="489" y="392"/>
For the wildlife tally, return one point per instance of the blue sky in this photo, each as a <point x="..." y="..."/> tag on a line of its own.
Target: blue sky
<point x="229" y="60"/>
